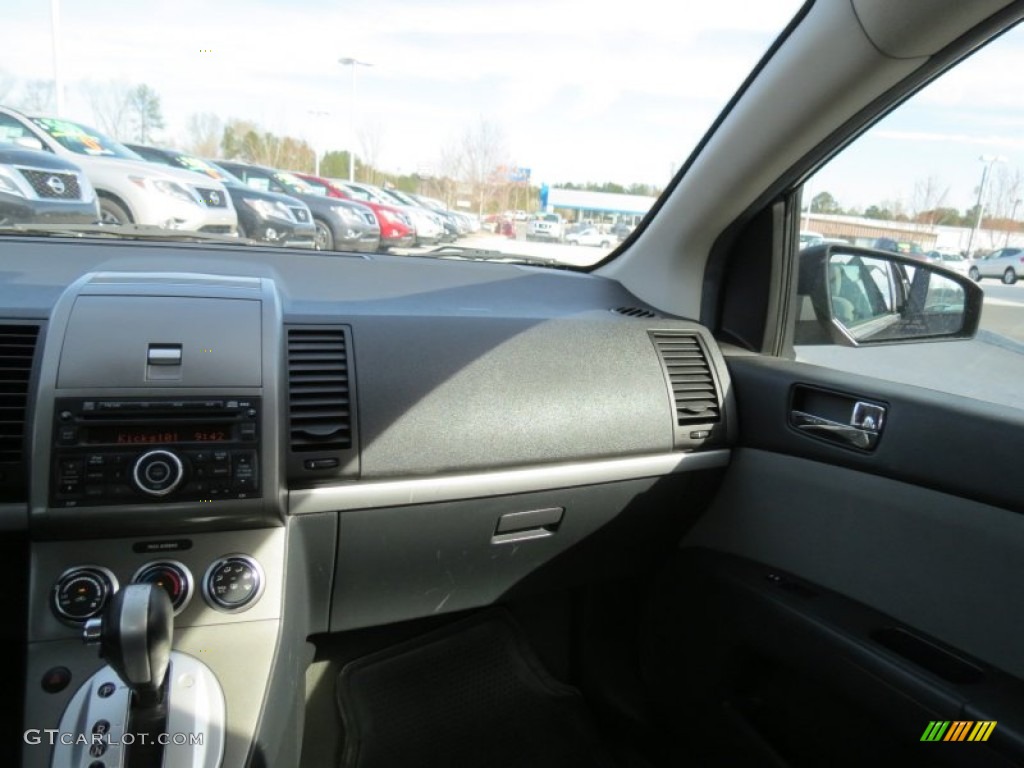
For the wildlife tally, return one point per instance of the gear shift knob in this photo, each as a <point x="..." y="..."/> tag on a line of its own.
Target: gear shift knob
<point x="135" y="639"/>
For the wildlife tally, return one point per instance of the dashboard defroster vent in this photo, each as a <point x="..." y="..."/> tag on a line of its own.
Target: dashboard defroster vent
<point x="692" y="382"/>
<point x="635" y="312"/>
<point x="17" y="354"/>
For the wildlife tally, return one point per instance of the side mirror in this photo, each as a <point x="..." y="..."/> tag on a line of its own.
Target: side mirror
<point x="30" y="142"/>
<point x="856" y="296"/>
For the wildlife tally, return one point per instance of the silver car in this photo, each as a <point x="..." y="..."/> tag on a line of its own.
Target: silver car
<point x="1005" y="263"/>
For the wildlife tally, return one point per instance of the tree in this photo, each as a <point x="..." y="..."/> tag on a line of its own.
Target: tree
<point x="929" y="195"/>
<point x="875" y="212"/>
<point x="36" y="96"/>
<point x="204" y="133"/>
<point x="371" y="135"/>
<point x="823" y="202"/>
<point x="478" y="154"/>
<point x="110" y="108"/>
<point x="146" y="116"/>
<point x="8" y="83"/>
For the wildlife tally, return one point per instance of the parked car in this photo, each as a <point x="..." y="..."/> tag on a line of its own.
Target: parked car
<point x="589" y="236"/>
<point x="428" y="229"/>
<point x="266" y="216"/>
<point x="951" y="260"/>
<point x="447" y="230"/>
<point x="39" y="188"/>
<point x="546" y="226"/>
<point x="130" y="190"/>
<point x="622" y="230"/>
<point x="1005" y="263"/>
<point x="396" y="229"/>
<point x="341" y="225"/>
<point x="460" y="220"/>
<point x="905" y="247"/>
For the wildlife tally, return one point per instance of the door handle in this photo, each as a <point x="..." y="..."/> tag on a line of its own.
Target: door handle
<point x="864" y="437"/>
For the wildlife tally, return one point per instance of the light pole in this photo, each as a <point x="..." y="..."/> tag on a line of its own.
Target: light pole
<point x="58" y="81"/>
<point x="989" y="161"/>
<point x="316" y="139"/>
<point x="348" y="61"/>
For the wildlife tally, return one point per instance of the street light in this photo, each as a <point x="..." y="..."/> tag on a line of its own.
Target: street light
<point x="989" y="161"/>
<point x="316" y="141"/>
<point x="348" y="61"/>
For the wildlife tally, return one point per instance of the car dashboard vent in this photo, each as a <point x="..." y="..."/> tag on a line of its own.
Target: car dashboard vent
<point x="321" y="427"/>
<point x="17" y="355"/>
<point x="691" y="380"/>
<point x="635" y="312"/>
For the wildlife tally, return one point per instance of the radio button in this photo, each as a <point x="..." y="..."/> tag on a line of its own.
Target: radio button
<point x="67" y="435"/>
<point x="157" y="473"/>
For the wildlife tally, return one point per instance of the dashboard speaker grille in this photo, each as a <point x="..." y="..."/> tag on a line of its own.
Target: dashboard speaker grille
<point x="689" y="374"/>
<point x="319" y="397"/>
<point x="17" y="353"/>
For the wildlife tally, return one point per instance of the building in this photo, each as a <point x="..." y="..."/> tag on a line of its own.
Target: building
<point x="598" y="206"/>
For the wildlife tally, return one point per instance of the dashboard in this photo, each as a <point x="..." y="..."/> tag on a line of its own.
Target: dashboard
<point x="294" y="445"/>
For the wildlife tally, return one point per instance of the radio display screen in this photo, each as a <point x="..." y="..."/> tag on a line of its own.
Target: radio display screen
<point x="170" y="433"/>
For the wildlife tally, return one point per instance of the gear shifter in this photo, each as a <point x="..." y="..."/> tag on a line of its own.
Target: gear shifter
<point x="162" y="692"/>
<point x="135" y="639"/>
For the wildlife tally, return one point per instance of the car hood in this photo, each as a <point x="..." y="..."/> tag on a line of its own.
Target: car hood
<point x="238" y="191"/>
<point x="107" y="167"/>
<point x="35" y="159"/>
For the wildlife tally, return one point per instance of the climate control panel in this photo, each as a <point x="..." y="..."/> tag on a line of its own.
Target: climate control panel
<point x="231" y="584"/>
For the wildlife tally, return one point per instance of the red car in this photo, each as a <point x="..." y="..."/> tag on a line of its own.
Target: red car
<point x="396" y="231"/>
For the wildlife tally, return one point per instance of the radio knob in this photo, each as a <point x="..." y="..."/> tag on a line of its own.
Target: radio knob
<point x="157" y="473"/>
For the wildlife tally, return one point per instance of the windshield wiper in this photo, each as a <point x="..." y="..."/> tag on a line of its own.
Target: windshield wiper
<point x="124" y="232"/>
<point x="483" y="254"/>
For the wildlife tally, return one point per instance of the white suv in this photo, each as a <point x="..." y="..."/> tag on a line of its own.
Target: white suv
<point x="547" y="226"/>
<point x="130" y="189"/>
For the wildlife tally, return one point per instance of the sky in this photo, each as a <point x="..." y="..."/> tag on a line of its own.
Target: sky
<point x="581" y="91"/>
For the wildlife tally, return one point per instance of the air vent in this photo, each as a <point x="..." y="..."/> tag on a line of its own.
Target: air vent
<point x="690" y="377"/>
<point x="635" y="312"/>
<point x="17" y="351"/>
<point x="319" y="403"/>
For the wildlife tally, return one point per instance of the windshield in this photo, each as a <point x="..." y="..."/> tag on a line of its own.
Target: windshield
<point x="199" y="165"/>
<point x="500" y="113"/>
<point x="83" y="140"/>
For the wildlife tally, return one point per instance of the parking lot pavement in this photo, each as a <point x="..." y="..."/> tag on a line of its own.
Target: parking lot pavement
<point x="572" y="255"/>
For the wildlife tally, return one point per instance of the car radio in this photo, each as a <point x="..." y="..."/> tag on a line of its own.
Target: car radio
<point x="145" y="450"/>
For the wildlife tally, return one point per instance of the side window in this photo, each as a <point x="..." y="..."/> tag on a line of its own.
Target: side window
<point x="939" y="181"/>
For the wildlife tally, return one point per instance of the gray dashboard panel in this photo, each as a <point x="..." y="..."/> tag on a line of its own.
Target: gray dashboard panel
<point x="497" y="392"/>
<point x="108" y="337"/>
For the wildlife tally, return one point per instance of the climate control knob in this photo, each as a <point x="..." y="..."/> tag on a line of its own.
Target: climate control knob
<point x="80" y="593"/>
<point x="157" y="473"/>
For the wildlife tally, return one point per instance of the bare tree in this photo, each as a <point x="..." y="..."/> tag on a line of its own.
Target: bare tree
<point x="481" y="151"/>
<point x="1005" y="188"/>
<point x="371" y="135"/>
<point x="929" y="195"/>
<point x="110" y="107"/>
<point x="8" y="83"/>
<point x="36" y="96"/>
<point x="204" y="134"/>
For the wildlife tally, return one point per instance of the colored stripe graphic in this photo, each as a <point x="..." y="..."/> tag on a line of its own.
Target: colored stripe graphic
<point x="958" y="730"/>
<point x="982" y="730"/>
<point x="935" y="730"/>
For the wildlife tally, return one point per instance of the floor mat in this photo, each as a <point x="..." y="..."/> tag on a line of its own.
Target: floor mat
<point x="470" y="695"/>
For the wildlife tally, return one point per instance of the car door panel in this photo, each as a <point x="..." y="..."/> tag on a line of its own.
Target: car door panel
<point x="881" y="585"/>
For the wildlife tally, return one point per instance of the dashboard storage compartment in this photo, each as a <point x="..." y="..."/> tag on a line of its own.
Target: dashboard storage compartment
<point x="401" y="563"/>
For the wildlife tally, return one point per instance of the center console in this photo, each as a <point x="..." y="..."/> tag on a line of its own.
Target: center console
<point x="163" y="474"/>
